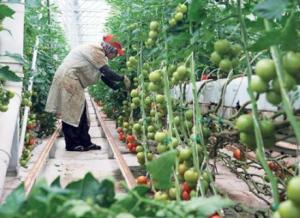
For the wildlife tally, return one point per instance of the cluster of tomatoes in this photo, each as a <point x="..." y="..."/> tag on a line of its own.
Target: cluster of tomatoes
<point x="30" y="139"/>
<point x="5" y="96"/>
<point x="266" y="79"/>
<point x="131" y="63"/>
<point x="153" y="34"/>
<point x="26" y="96"/>
<point x="225" y="55"/>
<point x="290" y="208"/>
<point x="245" y="126"/>
<point x="178" y="15"/>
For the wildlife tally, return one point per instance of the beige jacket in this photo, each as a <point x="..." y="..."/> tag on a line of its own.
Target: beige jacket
<point x="78" y="70"/>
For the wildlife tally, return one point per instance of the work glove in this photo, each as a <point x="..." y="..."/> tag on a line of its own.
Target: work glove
<point x="127" y="82"/>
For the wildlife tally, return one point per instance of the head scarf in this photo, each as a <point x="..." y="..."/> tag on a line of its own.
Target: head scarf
<point x="110" y="40"/>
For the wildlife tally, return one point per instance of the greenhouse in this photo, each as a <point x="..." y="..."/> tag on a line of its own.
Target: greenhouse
<point x="149" y="108"/>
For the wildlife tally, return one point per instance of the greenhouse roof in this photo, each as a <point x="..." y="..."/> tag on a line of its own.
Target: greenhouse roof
<point x="83" y="20"/>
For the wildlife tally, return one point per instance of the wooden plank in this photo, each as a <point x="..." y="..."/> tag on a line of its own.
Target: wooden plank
<point x="38" y="165"/>
<point x="127" y="174"/>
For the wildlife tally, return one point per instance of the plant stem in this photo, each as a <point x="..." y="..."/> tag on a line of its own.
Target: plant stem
<point x="257" y="130"/>
<point x="287" y="106"/>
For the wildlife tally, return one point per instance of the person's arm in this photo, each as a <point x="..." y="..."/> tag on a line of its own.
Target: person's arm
<point x="111" y="75"/>
<point x="110" y="83"/>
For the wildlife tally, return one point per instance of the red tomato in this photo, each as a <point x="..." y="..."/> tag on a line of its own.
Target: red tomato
<point x="129" y="146"/>
<point x="142" y="180"/>
<point x="237" y="154"/>
<point x="185" y="187"/>
<point x="130" y="138"/>
<point x="273" y="166"/>
<point x="31" y="141"/>
<point x="119" y="130"/>
<point x="215" y="215"/>
<point x="133" y="149"/>
<point x="185" y="196"/>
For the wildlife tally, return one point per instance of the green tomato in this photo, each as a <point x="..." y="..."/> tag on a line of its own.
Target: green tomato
<point x="222" y="46"/>
<point x="172" y="22"/>
<point x="136" y="100"/>
<point x="248" y="139"/>
<point x="267" y="128"/>
<point x="225" y="65"/>
<point x="178" y="16"/>
<point x="185" y="154"/>
<point x="291" y="62"/>
<point x="182" y="168"/>
<point x="153" y="34"/>
<point x="151" y="128"/>
<point x="245" y="123"/>
<point x="191" y="176"/>
<point x="160" y="196"/>
<point x="155" y="76"/>
<point x="215" y="58"/>
<point x="258" y="84"/>
<point x="137" y="127"/>
<point x="161" y="148"/>
<point x="189" y="115"/>
<point x="289" y="83"/>
<point x="154" y="25"/>
<point x="265" y="69"/>
<point x="153" y="87"/>
<point x="177" y="120"/>
<point x="182" y="8"/>
<point x="288" y="209"/>
<point x="181" y="72"/>
<point x="172" y="193"/>
<point x="134" y="93"/>
<point x="150" y="135"/>
<point x="160" y="137"/>
<point x="160" y="99"/>
<point x="139" y="148"/>
<point x="273" y="97"/>
<point x="293" y="190"/>
<point x="3" y="108"/>
<point x="236" y="49"/>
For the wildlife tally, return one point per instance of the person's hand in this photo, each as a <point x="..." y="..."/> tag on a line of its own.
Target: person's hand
<point x="127" y="82"/>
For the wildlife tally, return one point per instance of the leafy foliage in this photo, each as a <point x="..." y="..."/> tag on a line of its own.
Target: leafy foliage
<point x="80" y="199"/>
<point x="162" y="175"/>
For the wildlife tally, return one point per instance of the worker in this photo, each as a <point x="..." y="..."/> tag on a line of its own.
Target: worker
<point x="83" y="66"/>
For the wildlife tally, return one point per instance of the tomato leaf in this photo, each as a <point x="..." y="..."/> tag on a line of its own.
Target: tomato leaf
<point x="56" y="183"/>
<point x="5" y="11"/>
<point x="204" y="207"/>
<point x="15" y="56"/>
<point x="289" y="37"/>
<point x="88" y="186"/>
<point x="162" y="175"/>
<point x="195" y="9"/>
<point x="7" y="74"/>
<point x="271" y="9"/>
<point x="76" y="209"/>
<point x="13" y="202"/>
<point x="267" y="40"/>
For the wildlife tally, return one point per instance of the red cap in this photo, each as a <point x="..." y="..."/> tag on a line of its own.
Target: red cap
<point x="110" y="40"/>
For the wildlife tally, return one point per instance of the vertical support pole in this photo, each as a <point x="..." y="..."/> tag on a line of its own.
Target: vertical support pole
<point x="13" y="166"/>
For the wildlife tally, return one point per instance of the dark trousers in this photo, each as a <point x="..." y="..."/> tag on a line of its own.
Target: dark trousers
<point x="75" y="136"/>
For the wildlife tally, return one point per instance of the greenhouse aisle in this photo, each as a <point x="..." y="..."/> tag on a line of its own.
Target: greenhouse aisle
<point x="72" y="166"/>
